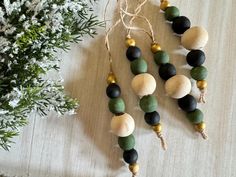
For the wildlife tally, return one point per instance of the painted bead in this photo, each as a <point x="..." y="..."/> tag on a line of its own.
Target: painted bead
<point x="195" y="116"/>
<point x="148" y="103"/>
<point x="199" y="73"/>
<point x="152" y="118"/>
<point x="138" y="66"/>
<point x="113" y="90"/>
<point x="143" y="84"/>
<point x="122" y="125"/>
<point x="164" y="5"/>
<point x="155" y="47"/>
<point x="133" y="53"/>
<point x="178" y="86"/>
<point x="134" y="168"/>
<point x="161" y="57"/>
<point x="181" y="24"/>
<point x="196" y="58"/>
<point x="130" y="156"/>
<point x="129" y="42"/>
<point x="116" y="105"/>
<point x="187" y="103"/>
<point x="171" y="13"/>
<point x="194" y="38"/>
<point x="126" y="143"/>
<point x="167" y="71"/>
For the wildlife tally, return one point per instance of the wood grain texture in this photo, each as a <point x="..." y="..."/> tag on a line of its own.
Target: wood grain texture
<point x="81" y="146"/>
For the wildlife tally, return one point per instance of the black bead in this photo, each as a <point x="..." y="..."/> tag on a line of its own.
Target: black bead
<point x="187" y="103"/>
<point x="133" y="53"/>
<point x="113" y="90"/>
<point x="181" y="24"/>
<point x="130" y="156"/>
<point x="196" y="58"/>
<point x="152" y="118"/>
<point x="167" y="71"/>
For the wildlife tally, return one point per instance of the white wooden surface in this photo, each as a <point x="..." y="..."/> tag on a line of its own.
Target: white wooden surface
<point x="81" y="146"/>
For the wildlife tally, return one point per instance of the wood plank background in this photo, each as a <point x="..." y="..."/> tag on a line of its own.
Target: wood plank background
<point x="82" y="146"/>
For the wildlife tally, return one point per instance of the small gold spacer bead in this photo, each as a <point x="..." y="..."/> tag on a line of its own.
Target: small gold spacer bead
<point x="202" y="84"/>
<point x="155" y="48"/>
<point x="111" y="78"/>
<point x="134" y="168"/>
<point x="129" y="42"/>
<point x="164" y="5"/>
<point x="157" y="128"/>
<point x="200" y="127"/>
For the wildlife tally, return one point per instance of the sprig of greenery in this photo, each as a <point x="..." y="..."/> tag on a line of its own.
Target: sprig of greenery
<point x="31" y="32"/>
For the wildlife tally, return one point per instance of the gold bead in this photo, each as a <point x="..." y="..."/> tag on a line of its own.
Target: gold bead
<point x="200" y="127"/>
<point x="155" y="48"/>
<point x="202" y="84"/>
<point x="129" y="42"/>
<point x="157" y="128"/>
<point x="164" y="5"/>
<point x="134" y="168"/>
<point x="111" y="78"/>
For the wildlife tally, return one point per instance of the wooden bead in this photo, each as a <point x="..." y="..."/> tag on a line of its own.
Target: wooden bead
<point x="164" y="5"/>
<point x="111" y="78"/>
<point x="178" y="86"/>
<point x="195" y="116"/>
<point x="134" y="168"/>
<point x="202" y="84"/>
<point x="143" y="84"/>
<point x="122" y="125"/>
<point x="129" y="42"/>
<point x="155" y="48"/>
<point x="157" y="128"/>
<point x="194" y="38"/>
<point x="200" y="126"/>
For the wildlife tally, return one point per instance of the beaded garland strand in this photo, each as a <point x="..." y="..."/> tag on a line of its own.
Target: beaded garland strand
<point x="176" y="86"/>
<point x="122" y="124"/>
<point x="193" y="39"/>
<point x="143" y="84"/>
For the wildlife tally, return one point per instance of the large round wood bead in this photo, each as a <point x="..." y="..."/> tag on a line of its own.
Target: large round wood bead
<point x="178" y="86"/>
<point x="148" y="103"/>
<point x="126" y="143"/>
<point x="195" y="116"/>
<point x="116" y="105"/>
<point x="122" y="125"/>
<point x="143" y="84"/>
<point x="194" y="38"/>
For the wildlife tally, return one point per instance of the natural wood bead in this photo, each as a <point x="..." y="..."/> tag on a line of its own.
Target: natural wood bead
<point x="122" y="125"/>
<point x="194" y="38"/>
<point x="178" y="86"/>
<point x="143" y="84"/>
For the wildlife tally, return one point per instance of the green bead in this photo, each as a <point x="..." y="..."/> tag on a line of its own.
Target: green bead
<point x="138" y="66"/>
<point x="116" y="105"/>
<point x="148" y="103"/>
<point x="171" y="13"/>
<point x="195" y="116"/>
<point x="161" y="57"/>
<point x="199" y="73"/>
<point x="126" y="143"/>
